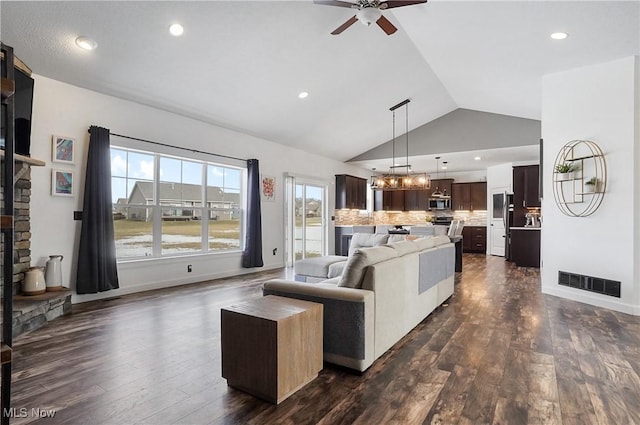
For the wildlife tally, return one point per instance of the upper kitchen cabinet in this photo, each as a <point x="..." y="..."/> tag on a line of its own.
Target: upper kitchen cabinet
<point x="526" y="186"/>
<point x="388" y="200"/>
<point x="469" y="196"/>
<point x="351" y="192"/>
<point x="416" y="199"/>
<point x="441" y="185"/>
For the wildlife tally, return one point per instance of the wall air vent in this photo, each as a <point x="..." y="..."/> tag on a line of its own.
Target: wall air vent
<point x="590" y="283"/>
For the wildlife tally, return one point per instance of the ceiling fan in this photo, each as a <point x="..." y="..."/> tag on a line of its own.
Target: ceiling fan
<point x="369" y="11"/>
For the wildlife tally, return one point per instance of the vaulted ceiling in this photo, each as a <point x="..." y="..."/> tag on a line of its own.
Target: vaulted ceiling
<point x="241" y="64"/>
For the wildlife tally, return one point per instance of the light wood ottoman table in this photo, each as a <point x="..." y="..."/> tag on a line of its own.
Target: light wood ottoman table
<point x="271" y="346"/>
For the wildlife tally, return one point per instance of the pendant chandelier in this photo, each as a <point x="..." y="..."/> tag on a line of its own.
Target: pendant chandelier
<point x="400" y="177"/>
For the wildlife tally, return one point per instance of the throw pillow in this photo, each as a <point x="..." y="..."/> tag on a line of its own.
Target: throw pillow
<point x="424" y="243"/>
<point x="404" y="247"/>
<point x="364" y="240"/>
<point x="361" y="258"/>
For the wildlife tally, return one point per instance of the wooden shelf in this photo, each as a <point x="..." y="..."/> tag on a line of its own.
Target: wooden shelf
<point x="580" y="158"/>
<point x="6" y="354"/>
<point x="8" y="88"/>
<point x="25" y="159"/>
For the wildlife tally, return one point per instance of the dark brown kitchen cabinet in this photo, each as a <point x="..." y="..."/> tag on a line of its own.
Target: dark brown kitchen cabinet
<point x="526" y="187"/>
<point x="525" y="247"/>
<point x="442" y="185"/>
<point x="460" y="196"/>
<point x="351" y="192"/>
<point x="478" y="196"/>
<point x="474" y="239"/>
<point x="416" y="199"/>
<point x="388" y="200"/>
<point x="469" y="196"/>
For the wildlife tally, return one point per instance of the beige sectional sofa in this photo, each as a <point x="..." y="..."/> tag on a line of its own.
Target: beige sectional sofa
<point x="383" y="293"/>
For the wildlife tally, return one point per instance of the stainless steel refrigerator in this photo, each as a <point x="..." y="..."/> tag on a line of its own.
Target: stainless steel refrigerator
<point x="507" y="218"/>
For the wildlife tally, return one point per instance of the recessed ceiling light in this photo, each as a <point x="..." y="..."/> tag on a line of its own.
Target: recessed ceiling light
<point x="303" y="94"/>
<point x="559" y="35"/>
<point x="176" y="30"/>
<point x="86" y="43"/>
<point x="477" y="158"/>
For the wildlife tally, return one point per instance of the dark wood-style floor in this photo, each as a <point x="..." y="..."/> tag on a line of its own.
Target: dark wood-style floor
<point x="500" y="352"/>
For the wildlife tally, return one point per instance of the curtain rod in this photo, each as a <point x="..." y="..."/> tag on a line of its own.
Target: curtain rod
<point x="175" y="147"/>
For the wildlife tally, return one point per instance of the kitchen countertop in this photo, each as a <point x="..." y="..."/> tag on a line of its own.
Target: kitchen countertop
<point x="525" y="228"/>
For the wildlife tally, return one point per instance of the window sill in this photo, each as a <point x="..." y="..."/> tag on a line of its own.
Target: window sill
<point x="178" y="258"/>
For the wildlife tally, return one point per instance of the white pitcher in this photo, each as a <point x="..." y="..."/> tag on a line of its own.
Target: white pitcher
<point x="34" y="283"/>
<point x="53" y="273"/>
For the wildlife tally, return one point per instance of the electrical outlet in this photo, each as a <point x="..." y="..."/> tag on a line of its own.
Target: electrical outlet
<point x="275" y="250"/>
<point x="189" y="268"/>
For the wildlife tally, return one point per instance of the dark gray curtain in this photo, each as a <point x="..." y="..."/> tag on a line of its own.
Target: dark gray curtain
<point x="252" y="254"/>
<point x="97" y="271"/>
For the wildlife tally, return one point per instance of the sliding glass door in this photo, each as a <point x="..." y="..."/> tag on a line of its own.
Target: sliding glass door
<point x="307" y="221"/>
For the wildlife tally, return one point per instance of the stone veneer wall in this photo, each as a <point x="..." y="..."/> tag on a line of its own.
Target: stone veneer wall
<point x="356" y="218"/>
<point x="22" y="228"/>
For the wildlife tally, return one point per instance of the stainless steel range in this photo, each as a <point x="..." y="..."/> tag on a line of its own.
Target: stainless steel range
<point x="444" y="220"/>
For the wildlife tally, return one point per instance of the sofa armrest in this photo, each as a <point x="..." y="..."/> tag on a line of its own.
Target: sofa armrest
<point x="322" y="290"/>
<point x="348" y="333"/>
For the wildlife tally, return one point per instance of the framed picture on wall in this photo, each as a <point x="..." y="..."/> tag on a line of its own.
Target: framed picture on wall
<point x="61" y="183"/>
<point x="62" y="149"/>
<point x="268" y="188"/>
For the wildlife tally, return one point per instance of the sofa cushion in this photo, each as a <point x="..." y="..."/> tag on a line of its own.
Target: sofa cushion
<point x="336" y="269"/>
<point x="316" y="266"/>
<point x="441" y="240"/>
<point x="404" y="247"/>
<point x="397" y="238"/>
<point x="365" y="240"/>
<point x="424" y="243"/>
<point x="360" y="259"/>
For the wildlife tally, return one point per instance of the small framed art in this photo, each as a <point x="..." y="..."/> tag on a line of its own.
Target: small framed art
<point x="62" y="149"/>
<point x="268" y="188"/>
<point x="61" y="183"/>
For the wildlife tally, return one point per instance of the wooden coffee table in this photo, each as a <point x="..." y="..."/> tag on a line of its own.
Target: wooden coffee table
<point x="271" y="346"/>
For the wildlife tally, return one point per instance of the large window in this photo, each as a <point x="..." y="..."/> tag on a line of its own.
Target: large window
<point x="165" y="205"/>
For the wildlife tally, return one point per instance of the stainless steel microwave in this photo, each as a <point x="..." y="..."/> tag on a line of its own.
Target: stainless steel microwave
<point x="439" y="203"/>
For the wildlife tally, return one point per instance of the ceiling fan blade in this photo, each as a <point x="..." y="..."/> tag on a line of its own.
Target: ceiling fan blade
<point x="386" y="25"/>
<point x="399" y="3"/>
<point x="344" y="26"/>
<point x="334" y="3"/>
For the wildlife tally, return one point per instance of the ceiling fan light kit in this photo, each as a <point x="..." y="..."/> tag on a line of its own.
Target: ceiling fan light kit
<point x="369" y="11"/>
<point x="369" y="15"/>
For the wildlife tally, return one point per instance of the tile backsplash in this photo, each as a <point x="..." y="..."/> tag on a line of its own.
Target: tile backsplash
<point x="359" y="218"/>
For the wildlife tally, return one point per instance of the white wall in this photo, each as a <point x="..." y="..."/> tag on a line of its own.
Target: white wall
<point x="63" y="109"/>
<point x="598" y="103"/>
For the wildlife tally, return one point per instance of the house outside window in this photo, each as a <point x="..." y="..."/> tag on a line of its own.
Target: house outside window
<point x="166" y="205"/>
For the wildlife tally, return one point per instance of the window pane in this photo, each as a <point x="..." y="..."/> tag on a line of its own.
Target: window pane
<point x="313" y="214"/>
<point x="140" y="192"/>
<point x="192" y="173"/>
<point x="170" y="170"/>
<point x="133" y="231"/>
<point x="118" y="190"/>
<point x="232" y="178"/>
<point x="118" y="163"/>
<point x="299" y="219"/>
<point x="140" y="166"/>
<point x="224" y="229"/>
<point x="181" y="230"/>
<point x="215" y="176"/>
